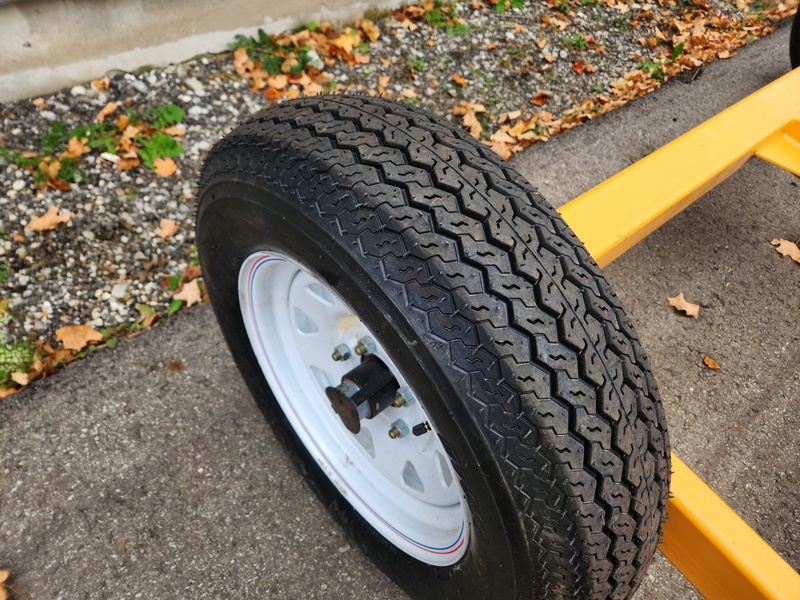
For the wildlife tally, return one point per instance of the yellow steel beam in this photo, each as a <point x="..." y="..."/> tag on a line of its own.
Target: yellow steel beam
<point x="704" y="538"/>
<point x="783" y="149"/>
<point x="716" y="550"/>
<point x="624" y="209"/>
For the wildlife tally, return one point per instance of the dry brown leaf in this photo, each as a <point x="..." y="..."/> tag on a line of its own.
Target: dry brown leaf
<point x="458" y="79"/>
<point x="174" y="131"/>
<point x="549" y="57"/>
<point x="540" y="97"/>
<point x="164" y="166"/>
<point x="190" y="293"/>
<point x="711" y="363"/>
<point x="581" y="66"/>
<point x="123" y="121"/>
<point x="241" y="62"/>
<point x="127" y="163"/>
<point x="49" y="220"/>
<point x="20" y="378"/>
<point x="76" y="337"/>
<point x="290" y="63"/>
<point x="4" y="575"/>
<point x="167" y="228"/>
<point x="5" y="393"/>
<point x="370" y="29"/>
<point x="101" y="84"/>
<point x="192" y="272"/>
<point x="278" y="82"/>
<point x="408" y="24"/>
<point x="347" y="41"/>
<point x="523" y="126"/>
<point x="787" y="248"/>
<point x="383" y="81"/>
<point x="76" y="147"/>
<point x="108" y="110"/>
<point x="680" y="303"/>
<point x="541" y="43"/>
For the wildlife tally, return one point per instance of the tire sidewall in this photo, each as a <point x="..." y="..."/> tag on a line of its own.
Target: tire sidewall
<point x="236" y="219"/>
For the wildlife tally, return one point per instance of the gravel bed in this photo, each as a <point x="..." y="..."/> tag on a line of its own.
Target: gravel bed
<point x="97" y="268"/>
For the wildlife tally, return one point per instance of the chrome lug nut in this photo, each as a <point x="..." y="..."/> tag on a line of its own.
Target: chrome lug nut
<point x="365" y="345"/>
<point x="399" y="429"/>
<point x="341" y="352"/>
<point x="404" y="397"/>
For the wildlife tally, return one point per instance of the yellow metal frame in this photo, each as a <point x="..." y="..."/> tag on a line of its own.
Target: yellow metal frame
<point x="703" y="537"/>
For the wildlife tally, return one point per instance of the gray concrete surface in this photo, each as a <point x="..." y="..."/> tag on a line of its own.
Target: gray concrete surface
<point x="122" y="479"/>
<point x="50" y="44"/>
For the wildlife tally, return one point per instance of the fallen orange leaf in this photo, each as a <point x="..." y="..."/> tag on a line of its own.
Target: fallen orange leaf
<point x="347" y="41"/>
<point x="123" y="121"/>
<point x="107" y="110"/>
<point x="49" y="220"/>
<point x="241" y="62"/>
<point x="192" y="272"/>
<point x="369" y="28"/>
<point x="458" y="79"/>
<point x="190" y="293"/>
<point x="680" y="303"/>
<point x="540" y="97"/>
<point x="787" y="248"/>
<point x="581" y="66"/>
<point x="174" y="131"/>
<point x="76" y="337"/>
<point x="20" y="378"/>
<point x="710" y="363"/>
<point x="101" y="84"/>
<point x="126" y="164"/>
<point x="5" y="393"/>
<point x="164" y="167"/>
<point x="167" y="228"/>
<point x="76" y="147"/>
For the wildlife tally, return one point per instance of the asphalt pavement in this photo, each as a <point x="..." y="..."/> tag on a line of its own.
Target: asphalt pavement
<point x="146" y="471"/>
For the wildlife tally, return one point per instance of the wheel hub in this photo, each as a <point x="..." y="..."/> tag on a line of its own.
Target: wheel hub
<point x="363" y="393"/>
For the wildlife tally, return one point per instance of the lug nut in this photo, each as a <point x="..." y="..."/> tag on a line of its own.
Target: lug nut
<point x="399" y="429"/>
<point x="421" y="429"/>
<point x="341" y="352"/>
<point x="404" y="397"/>
<point x="365" y="345"/>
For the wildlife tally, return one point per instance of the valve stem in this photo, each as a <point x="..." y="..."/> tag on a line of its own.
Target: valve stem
<point x="421" y="429"/>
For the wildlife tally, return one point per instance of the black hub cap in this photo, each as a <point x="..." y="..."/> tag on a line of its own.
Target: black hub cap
<point x="363" y="393"/>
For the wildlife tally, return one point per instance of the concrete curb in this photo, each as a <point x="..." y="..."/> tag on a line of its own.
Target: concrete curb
<point x="50" y="44"/>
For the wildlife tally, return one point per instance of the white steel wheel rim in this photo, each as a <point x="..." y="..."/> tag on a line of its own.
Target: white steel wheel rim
<point x="294" y="320"/>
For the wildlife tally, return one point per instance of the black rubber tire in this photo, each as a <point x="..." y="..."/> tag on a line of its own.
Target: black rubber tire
<point x="478" y="290"/>
<point x="794" y="43"/>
